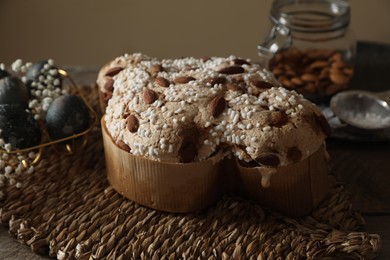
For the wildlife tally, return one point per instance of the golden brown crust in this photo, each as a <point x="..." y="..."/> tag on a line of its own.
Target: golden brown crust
<point x="253" y="118"/>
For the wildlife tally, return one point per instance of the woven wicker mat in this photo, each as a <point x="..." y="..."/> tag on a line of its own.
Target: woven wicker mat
<point x="67" y="209"/>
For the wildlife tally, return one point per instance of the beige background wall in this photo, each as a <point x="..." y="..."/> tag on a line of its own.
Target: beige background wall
<point x="90" y="32"/>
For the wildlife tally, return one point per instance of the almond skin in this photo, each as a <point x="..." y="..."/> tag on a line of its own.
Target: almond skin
<point x="217" y="80"/>
<point x="111" y="72"/>
<point x="149" y="96"/>
<point x="123" y="146"/>
<point x="132" y="123"/>
<point x="216" y="106"/>
<point x="108" y="84"/>
<point x="261" y="84"/>
<point x="238" y="61"/>
<point x="339" y="78"/>
<point x="162" y="82"/>
<point x="234" y="69"/>
<point x="184" y="79"/>
<point x="154" y="69"/>
<point x="308" y="77"/>
<point x="106" y="96"/>
<point x="234" y="87"/>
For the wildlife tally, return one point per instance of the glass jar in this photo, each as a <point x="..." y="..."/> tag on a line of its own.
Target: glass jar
<point x="310" y="47"/>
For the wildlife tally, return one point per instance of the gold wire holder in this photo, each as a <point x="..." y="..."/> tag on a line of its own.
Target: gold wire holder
<point x="70" y="143"/>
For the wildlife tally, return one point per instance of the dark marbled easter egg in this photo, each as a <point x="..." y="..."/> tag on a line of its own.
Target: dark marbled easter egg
<point x="13" y="91"/>
<point x="41" y="68"/>
<point x="67" y="115"/>
<point x="18" y="127"/>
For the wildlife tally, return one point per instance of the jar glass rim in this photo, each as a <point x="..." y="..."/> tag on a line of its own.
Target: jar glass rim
<point x="311" y="15"/>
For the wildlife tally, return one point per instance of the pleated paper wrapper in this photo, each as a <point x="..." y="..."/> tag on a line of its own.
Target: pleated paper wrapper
<point x="293" y="190"/>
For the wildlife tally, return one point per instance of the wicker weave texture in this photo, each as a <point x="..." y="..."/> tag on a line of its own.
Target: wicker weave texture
<point x="67" y="209"/>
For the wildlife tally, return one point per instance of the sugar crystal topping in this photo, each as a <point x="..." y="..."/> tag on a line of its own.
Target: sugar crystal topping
<point x="214" y="103"/>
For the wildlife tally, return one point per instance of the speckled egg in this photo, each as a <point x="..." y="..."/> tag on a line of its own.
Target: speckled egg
<point x="18" y="127"/>
<point x="13" y="91"/>
<point x="43" y="72"/>
<point x="67" y="115"/>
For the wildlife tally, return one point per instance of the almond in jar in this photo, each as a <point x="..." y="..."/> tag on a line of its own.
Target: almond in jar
<point x="310" y="48"/>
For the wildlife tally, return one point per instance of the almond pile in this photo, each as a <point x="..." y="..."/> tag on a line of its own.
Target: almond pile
<point x="313" y="73"/>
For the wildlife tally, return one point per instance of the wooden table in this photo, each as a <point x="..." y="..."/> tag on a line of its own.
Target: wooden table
<point x="364" y="167"/>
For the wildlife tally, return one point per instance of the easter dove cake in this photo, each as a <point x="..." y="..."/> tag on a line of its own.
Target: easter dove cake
<point x="184" y="120"/>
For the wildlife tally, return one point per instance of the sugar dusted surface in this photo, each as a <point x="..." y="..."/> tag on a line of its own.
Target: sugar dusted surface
<point x="243" y="126"/>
